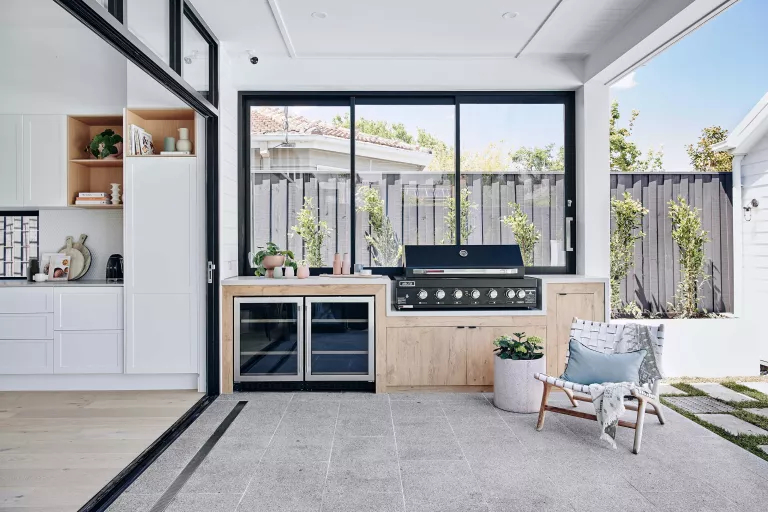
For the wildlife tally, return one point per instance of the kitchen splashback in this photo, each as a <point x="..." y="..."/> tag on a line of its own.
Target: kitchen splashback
<point x="103" y="227"/>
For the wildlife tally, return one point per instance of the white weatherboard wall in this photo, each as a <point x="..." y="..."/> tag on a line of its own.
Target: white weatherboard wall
<point x="754" y="181"/>
<point x="227" y="171"/>
<point x="103" y="227"/>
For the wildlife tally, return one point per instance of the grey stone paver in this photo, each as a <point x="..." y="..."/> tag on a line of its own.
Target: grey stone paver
<point x="668" y="389"/>
<point x="761" y="412"/>
<point x="757" y="386"/>
<point x="699" y="404"/>
<point x="764" y="447"/>
<point x="732" y="424"/>
<point x="716" y="390"/>
<point x="442" y="453"/>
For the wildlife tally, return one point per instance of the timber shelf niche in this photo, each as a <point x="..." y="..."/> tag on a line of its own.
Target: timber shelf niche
<point x="86" y="174"/>
<point x="162" y="123"/>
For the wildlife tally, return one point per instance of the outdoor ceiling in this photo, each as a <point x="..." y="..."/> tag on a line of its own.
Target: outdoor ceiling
<point x="419" y="28"/>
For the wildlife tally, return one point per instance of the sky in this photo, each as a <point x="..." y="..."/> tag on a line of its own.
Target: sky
<point x="713" y="76"/>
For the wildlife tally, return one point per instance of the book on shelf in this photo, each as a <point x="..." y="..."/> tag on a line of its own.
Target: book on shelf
<point x="139" y="141"/>
<point x="80" y="201"/>
<point x="91" y="194"/>
<point x="175" y="153"/>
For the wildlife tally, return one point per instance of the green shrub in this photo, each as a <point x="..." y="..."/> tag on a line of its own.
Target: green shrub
<point x="386" y="249"/>
<point x="628" y="214"/>
<point x="312" y="232"/>
<point x="690" y="238"/>
<point x="526" y="234"/>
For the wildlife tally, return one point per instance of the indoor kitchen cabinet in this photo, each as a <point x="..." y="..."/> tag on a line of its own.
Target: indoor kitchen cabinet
<point x="11" y="150"/>
<point x="44" y="160"/>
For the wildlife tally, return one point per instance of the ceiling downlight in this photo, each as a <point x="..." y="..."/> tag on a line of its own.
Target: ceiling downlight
<point x="509" y="15"/>
<point x="319" y="15"/>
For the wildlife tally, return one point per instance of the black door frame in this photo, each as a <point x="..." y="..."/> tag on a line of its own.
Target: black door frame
<point x="109" y="25"/>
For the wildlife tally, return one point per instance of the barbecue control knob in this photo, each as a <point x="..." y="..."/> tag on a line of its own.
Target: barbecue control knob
<point x="457" y="294"/>
<point x="475" y="294"/>
<point x="510" y="294"/>
<point x="492" y="294"/>
<point x="440" y="294"/>
<point x="520" y="294"/>
<point x="422" y="294"/>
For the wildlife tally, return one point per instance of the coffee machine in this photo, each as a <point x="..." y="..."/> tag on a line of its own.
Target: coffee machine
<point x="115" y="268"/>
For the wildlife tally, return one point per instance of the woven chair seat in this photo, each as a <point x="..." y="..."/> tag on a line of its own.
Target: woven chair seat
<point x="560" y="383"/>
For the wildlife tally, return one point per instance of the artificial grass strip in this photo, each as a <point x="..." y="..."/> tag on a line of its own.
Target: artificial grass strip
<point x="749" y="443"/>
<point x="750" y="417"/>
<point x="688" y="389"/>
<point x="746" y="390"/>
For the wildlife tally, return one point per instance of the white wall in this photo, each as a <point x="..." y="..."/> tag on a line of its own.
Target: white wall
<point x="754" y="270"/>
<point x="143" y="91"/>
<point x="103" y="227"/>
<point x="149" y="20"/>
<point x="227" y="171"/>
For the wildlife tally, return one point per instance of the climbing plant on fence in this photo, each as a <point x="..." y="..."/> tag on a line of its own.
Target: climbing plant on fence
<point x="690" y="238"/>
<point x="628" y="214"/>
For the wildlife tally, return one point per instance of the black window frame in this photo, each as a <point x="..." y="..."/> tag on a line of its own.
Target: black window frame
<point x="180" y="10"/>
<point x="248" y="99"/>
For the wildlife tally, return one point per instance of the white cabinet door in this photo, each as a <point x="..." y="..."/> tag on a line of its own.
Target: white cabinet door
<point x="26" y="300"/>
<point x="45" y="160"/>
<point x="26" y="356"/>
<point x="85" y="309"/>
<point x="88" y="352"/>
<point x="11" y="150"/>
<point x="31" y="326"/>
<point x="162" y="265"/>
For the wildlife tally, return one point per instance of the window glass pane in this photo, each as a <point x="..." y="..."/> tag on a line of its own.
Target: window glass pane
<point x="512" y="178"/>
<point x="194" y="57"/>
<point x="300" y="176"/>
<point x="404" y="168"/>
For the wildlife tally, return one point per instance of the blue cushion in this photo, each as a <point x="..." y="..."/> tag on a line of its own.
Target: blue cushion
<point x="587" y="366"/>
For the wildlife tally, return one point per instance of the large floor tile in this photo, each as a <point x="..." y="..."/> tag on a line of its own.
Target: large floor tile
<point x="363" y="476"/>
<point x="299" y="448"/>
<point x="218" y="502"/>
<point x="362" y="501"/>
<point x="218" y="477"/>
<point x="438" y="482"/>
<point x="155" y="479"/>
<point x="378" y="448"/>
<point x="364" y="426"/>
<point x="426" y="447"/>
<point x="133" y="503"/>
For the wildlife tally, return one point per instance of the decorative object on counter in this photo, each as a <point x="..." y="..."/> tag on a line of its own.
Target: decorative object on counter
<point x="345" y="264"/>
<point x="366" y="272"/>
<point x="270" y="257"/>
<point x="40" y="278"/>
<point x="115" y="193"/>
<point x="91" y="198"/>
<point x="303" y="271"/>
<point x="76" y="259"/>
<point x="289" y="271"/>
<point x="106" y="146"/>
<point x="58" y="270"/>
<point x="32" y="269"/>
<point x="277" y="272"/>
<point x="114" y="268"/>
<point x="45" y="262"/>
<point x="358" y="268"/>
<point x="169" y="144"/>
<point x="18" y="243"/>
<point x="184" y="144"/>
<point x="80" y="246"/>
<point x="337" y="264"/>
<point x="312" y="232"/>
<point x="518" y="358"/>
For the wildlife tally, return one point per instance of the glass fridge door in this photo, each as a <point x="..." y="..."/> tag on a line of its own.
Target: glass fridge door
<point x="340" y="338"/>
<point x="269" y="339"/>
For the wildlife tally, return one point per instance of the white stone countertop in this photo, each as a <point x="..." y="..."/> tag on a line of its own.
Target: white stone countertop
<point x="13" y="283"/>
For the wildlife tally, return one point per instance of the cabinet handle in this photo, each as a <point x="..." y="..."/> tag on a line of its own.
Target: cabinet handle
<point x="460" y="327"/>
<point x="472" y="327"/>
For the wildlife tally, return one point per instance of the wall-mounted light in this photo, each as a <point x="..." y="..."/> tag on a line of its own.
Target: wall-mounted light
<point x="748" y="209"/>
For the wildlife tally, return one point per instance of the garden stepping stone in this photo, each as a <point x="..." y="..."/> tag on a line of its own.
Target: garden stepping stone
<point x="732" y="424"/>
<point x="669" y="389"/>
<point x="764" y="447"/>
<point x="761" y="412"/>
<point x="699" y="404"/>
<point x="757" y="386"/>
<point x="721" y="392"/>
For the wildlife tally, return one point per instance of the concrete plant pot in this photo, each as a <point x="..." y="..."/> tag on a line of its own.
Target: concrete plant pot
<point x="514" y="388"/>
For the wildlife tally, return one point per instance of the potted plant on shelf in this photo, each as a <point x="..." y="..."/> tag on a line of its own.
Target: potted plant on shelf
<point x="302" y="272"/>
<point x="271" y="257"/>
<point x="106" y="145"/>
<point x="518" y="357"/>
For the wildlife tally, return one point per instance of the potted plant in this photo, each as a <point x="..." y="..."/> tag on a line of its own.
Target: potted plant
<point x="106" y="145"/>
<point x="271" y="257"/>
<point x="303" y="269"/>
<point x="518" y="357"/>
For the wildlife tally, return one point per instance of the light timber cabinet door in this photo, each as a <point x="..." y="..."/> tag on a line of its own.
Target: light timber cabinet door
<point x="564" y="302"/>
<point x="480" y="355"/>
<point x="426" y="356"/>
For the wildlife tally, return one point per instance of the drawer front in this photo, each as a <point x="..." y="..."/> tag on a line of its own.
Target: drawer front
<point x="88" y="352"/>
<point x="86" y="309"/>
<point x="32" y="326"/>
<point x="26" y="356"/>
<point x="26" y="300"/>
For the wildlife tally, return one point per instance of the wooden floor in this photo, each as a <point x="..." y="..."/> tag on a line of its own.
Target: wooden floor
<point x="57" y="449"/>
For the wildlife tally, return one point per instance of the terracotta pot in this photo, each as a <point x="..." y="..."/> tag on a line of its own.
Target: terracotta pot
<point x="302" y="272"/>
<point x="514" y="388"/>
<point x="271" y="262"/>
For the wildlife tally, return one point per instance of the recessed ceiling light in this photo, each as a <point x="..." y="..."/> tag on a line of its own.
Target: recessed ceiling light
<point x="509" y="15"/>
<point x="319" y="15"/>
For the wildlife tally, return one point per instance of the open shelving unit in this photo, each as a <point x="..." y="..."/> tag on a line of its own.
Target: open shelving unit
<point x="162" y="123"/>
<point x="86" y="174"/>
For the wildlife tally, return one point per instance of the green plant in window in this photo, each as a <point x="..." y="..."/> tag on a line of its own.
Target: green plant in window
<point x="628" y="216"/>
<point x="312" y="232"/>
<point x="526" y="234"/>
<point x="518" y="347"/>
<point x="386" y="249"/>
<point x="690" y="238"/>
<point x="450" y="219"/>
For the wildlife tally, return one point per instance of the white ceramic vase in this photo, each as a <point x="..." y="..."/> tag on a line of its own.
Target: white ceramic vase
<point x="115" y="193"/>
<point x="183" y="144"/>
<point x="514" y="388"/>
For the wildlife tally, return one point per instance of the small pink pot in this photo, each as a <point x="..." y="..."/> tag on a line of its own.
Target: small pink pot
<point x="302" y="272"/>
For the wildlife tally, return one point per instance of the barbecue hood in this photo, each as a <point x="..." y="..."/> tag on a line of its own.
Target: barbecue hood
<point x="502" y="261"/>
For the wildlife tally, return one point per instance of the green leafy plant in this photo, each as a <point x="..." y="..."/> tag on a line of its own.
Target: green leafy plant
<point x="628" y="214"/>
<point x="690" y="238"/>
<point x="526" y="234"/>
<point x="467" y="205"/>
<point x="104" y="144"/>
<point x="518" y="347"/>
<point x="703" y="158"/>
<point x="272" y="249"/>
<point x="386" y="249"/>
<point x="313" y="233"/>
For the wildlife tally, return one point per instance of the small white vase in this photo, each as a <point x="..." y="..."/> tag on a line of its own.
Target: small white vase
<point x="115" y="193"/>
<point x="514" y="388"/>
<point x="277" y="272"/>
<point x="183" y="144"/>
<point x="288" y="271"/>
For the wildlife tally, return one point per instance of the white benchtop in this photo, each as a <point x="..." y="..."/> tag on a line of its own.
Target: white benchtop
<point x="352" y="280"/>
<point x="11" y="283"/>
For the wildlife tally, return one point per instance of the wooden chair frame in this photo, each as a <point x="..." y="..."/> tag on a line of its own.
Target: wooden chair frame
<point x="604" y="338"/>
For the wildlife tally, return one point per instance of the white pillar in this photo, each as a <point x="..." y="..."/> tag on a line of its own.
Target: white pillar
<point x="593" y="187"/>
<point x="738" y="238"/>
